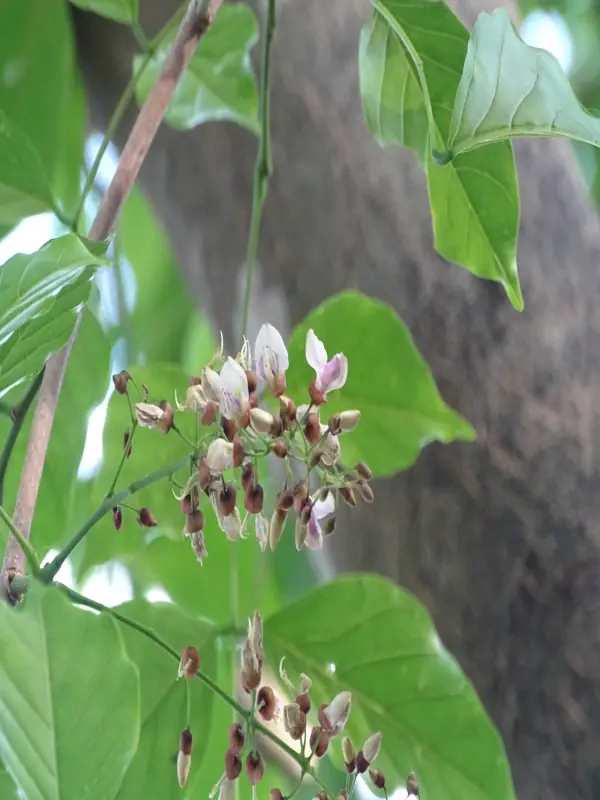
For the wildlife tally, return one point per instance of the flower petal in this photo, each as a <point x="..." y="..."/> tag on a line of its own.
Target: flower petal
<point x="314" y="538"/>
<point x="262" y="530"/>
<point x="334" y="374"/>
<point x="323" y="508"/>
<point x="316" y="355"/>
<point x="270" y="353"/>
<point x="233" y="378"/>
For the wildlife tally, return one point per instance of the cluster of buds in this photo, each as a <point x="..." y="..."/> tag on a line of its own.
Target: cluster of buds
<point x="246" y="416"/>
<point x="359" y="763"/>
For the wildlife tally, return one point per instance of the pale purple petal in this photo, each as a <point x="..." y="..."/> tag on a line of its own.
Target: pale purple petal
<point x="323" y="508"/>
<point x="316" y="355"/>
<point x="270" y="353"/>
<point x="314" y="539"/>
<point x="334" y="374"/>
<point x="234" y="389"/>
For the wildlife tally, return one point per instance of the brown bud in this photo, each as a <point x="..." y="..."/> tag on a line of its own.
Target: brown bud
<point x="276" y="428"/>
<point x="371" y="748"/>
<point x="349" y="420"/>
<point x="362" y="765"/>
<point x="312" y="428"/>
<point x="229" y="428"/>
<point x="275" y="794"/>
<point x="276" y="527"/>
<point x="261" y="420"/>
<point x="349" y="754"/>
<point x="287" y="408"/>
<point x="377" y="777"/>
<point x="335" y="424"/>
<point x="204" y="476"/>
<point x="317" y="397"/>
<point x="315" y="458"/>
<point x="127" y="443"/>
<point x="328" y="526"/>
<point x="253" y="400"/>
<point x="247" y="475"/>
<point x="365" y="491"/>
<point x="348" y="495"/>
<point x="226" y="500"/>
<point x="300" y="495"/>
<point x="253" y="499"/>
<point x="266" y="703"/>
<point x="303" y="702"/>
<point x="343" y="795"/>
<point x="364" y="470"/>
<point x="322" y="796"/>
<point x="319" y="741"/>
<point x="209" y="414"/>
<point x="252" y="380"/>
<point x="412" y="785"/>
<point x="279" y="448"/>
<point x="194" y="522"/>
<point x="294" y="721"/>
<point x="255" y="767"/>
<point x="233" y="764"/>
<point x="190" y="501"/>
<point x="146" y="518"/>
<point x="251" y="668"/>
<point x="117" y="518"/>
<point x="184" y="756"/>
<point x="165" y="423"/>
<point x="238" y="452"/>
<point x="189" y="664"/>
<point x="304" y="515"/>
<point x="236" y="735"/>
<point x="285" y="500"/>
<point x="121" y="380"/>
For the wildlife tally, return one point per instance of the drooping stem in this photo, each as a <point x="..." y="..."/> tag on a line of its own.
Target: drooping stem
<point x="197" y="20"/>
<point x="263" y="166"/>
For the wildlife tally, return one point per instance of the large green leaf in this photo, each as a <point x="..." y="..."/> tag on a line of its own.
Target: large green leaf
<point x="8" y="789"/>
<point x="69" y="700"/>
<point x="38" y="296"/>
<point x="511" y="89"/>
<point x="388" y="381"/>
<point x="40" y="95"/>
<point x="411" y="60"/>
<point x="218" y="83"/>
<point x="163" y="703"/>
<point x="367" y="636"/>
<point x="119" y="10"/>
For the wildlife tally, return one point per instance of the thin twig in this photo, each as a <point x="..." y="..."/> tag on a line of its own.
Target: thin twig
<point x="28" y="550"/>
<point x="196" y="21"/>
<point x="263" y="166"/>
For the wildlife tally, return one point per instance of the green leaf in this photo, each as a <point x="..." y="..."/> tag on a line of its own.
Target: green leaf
<point x="386" y="652"/>
<point x="511" y="89"/>
<point x="39" y="294"/>
<point x="69" y="699"/>
<point x="120" y="10"/>
<point x="411" y="59"/>
<point x="163" y="702"/>
<point x="8" y="789"/>
<point x="42" y="100"/>
<point x="388" y="381"/>
<point x="219" y="82"/>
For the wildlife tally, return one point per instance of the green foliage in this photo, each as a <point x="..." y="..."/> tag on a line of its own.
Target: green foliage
<point x="218" y="83"/>
<point x="42" y="124"/>
<point x="403" y="683"/>
<point x="120" y="10"/>
<point x="163" y="704"/>
<point x="388" y="381"/>
<point x="411" y="61"/>
<point x="72" y="728"/>
<point x="511" y="89"/>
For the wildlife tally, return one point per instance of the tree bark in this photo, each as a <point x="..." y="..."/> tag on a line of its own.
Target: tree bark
<point x="499" y="539"/>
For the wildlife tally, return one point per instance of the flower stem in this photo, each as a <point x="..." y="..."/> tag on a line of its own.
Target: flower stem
<point x="126" y="452"/>
<point x="30" y="553"/>
<point x="264" y="166"/>
<point x="48" y="573"/>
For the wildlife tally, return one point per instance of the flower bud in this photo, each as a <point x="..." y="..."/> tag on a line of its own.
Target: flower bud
<point x="378" y="778"/>
<point x="233" y="764"/>
<point x="335" y="716"/>
<point x="277" y="384"/>
<point x="211" y="384"/>
<point x="146" y="518"/>
<point x="219" y="456"/>
<point x="321" y="796"/>
<point x="279" y="448"/>
<point x="204" y="476"/>
<point x="328" y="526"/>
<point x="305" y="683"/>
<point x="412" y="785"/>
<point x="348" y="495"/>
<point x="300" y="494"/>
<point x="365" y="491"/>
<point x="189" y="664"/>
<point x="236" y="735"/>
<point x="319" y="741"/>
<point x="255" y="767"/>
<point x="127" y="443"/>
<point x="251" y="669"/>
<point x="238" y="452"/>
<point x="117" y="515"/>
<point x="121" y="380"/>
<point x="317" y="396"/>
<point x="210" y="413"/>
<point x="261" y="420"/>
<point x="253" y="499"/>
<point x="342" y="795"/>
<point x="194" y="522"/>
<point x="253" y="400"/>
<point x="261" y="527"/>
<point x="335" y="424"/>
<point x="294" y="721"/>
<point x="232" y="525"/>
<point x="195" y="399"/>
<point x="189" y="501"/>
<point x="226" y="501"/>
<point x="285" y="500"/>
<point x="275" y="794"/>
<point x="364" y="470"/>
<point x="255" y="635"/>
<point x="304" y="515"/>
<point x="287" y="409"/>
<point x="331" y="449"/>
<point x="303" y="702"/>
<point x="349" y="754"/>
<point x="276" y="526"/>
<point x="148" y="414"/>
<point x="315" y="457"/>
<point x="229" y="428"/>
<point x="369" y="752"/>
<point x="247" y="475"/>
<point x="349" y="420"/>
<point x="300" y="533"/>
<point x="165" y="423"/>
<point x="266" y="703"/>
<point x="252" y="380"/>
<point x="276" y="428"/>
<point x="312" y="428"/>
<point x="184" y="756"/>
<point x="198" y="545"/>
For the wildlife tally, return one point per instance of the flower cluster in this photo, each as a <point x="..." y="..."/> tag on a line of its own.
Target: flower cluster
<point x="245" y="416"/>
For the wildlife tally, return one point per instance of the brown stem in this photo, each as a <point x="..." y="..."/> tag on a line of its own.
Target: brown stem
<point x="195" y="23"/>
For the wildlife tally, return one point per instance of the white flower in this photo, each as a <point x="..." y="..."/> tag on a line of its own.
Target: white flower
<point x="337" y="712"/>
<point x="271" y="358"/>
<point x="330" y="374"/>
<point x="211" y="384"/>
<point x="231" y="525"/>
<point x="148" y="415"/>
<point x="330" y="447"/>
<point x="235" y="401"/>
<point x="219" y="456"/>
<point x="261" y="524"/>
<point x="320" y="510"/>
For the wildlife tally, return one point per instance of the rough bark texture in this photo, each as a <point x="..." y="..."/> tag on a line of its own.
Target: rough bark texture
<point x="499" y="539"/>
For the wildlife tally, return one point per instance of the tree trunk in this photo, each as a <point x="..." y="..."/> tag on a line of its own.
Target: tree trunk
<point x="499" y="539"/>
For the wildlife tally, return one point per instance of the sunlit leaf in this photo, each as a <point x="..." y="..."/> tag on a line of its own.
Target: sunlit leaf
<point x="388" y="382"/>
<point x="384" y="649"/>
<point x="219" y="82"/>
<point x="69" y="698"/>
<point x="119" y="10"/>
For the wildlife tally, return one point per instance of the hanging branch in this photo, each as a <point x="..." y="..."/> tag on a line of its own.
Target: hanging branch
<point x="197" y="20"/>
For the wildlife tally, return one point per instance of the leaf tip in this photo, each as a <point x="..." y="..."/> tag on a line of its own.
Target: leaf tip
<point x="513" y="291"/>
